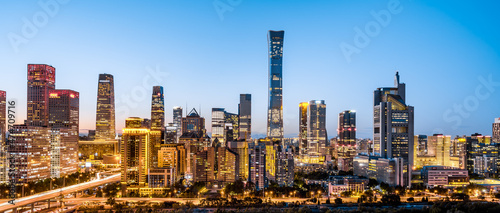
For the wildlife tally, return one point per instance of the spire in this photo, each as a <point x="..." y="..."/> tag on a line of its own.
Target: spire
<point x="396" y="79"/>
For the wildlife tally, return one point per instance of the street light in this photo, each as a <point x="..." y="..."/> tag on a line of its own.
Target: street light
<point x="312" y="193"/>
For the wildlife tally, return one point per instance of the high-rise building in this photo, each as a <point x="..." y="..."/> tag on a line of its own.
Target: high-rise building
<point x="245" y="117"/>
<point x="158" y="109"/>
<point x="231" y="128"/>
<point x="204" y="165"/>
<point x="393" y="126"/>
<point x="41" y="79"/>
<point x="227" y="165"/>
<point x="64" y="131"/>
<point x="134" y="153"/>
<point x="105" y="114"/>
<point x="496" y="131"/>
<point x="257" y="164"/>
<point x="178" y="121"/>
<point x="316" y="128"/>
<point x="284" y="165"/>
<point x="30" y="148"/>
<point x="275" y="107"/>
<point x="241" y="147"/>
<point x="388" y="170"/>
<point x="346" y="144"/>
<point x="303" y="128"/>
<point x="193" y="123"/>
<point x="173" y="156"/>
<point x="3" y="149"/>
<point x="218" y="122"/>
<point x="433" y="151"/>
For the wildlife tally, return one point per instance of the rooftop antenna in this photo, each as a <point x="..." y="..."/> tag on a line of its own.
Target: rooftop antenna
<point x="185" y="111"/>
<point x="199" y="108"/>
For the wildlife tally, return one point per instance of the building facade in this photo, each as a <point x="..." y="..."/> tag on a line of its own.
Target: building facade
<point x="158" y="109"/>
<point x="134" y="153"/>
<point x="393" y="132"/>
<point x="434" y="176"/>
<point x="275" y="104"/>
<point x="316" y="128"/>
<point x="41" y="79"/>
<point x="303" y="128"/>
<point x="245" y="117"/>
<point x="257" y="164"/>
<point x="105" y="113"/>
<point x="346" y="144"/>
<point x="3" y="129"/>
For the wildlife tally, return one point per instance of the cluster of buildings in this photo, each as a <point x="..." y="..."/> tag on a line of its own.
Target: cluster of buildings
<point x="153" y="154"/>
<point x="46" y="145"/>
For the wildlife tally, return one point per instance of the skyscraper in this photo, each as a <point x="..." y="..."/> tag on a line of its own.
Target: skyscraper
<point x="316" y="127"/>
<point x="346" y="148"/>
<point x="3" y="149"/>
<point x="284" y="165"/>
<point x="30" y="148"/>
<point x="157" y="109"/>
<point x="64" y="131"/>
<point x="303" y="128"/>
<point x="245" y="117"/>
<point x="496" y="131"/>
<point x="178" y="121"/>
<point x="105" y="115"/>
<point x="218" y="124"/>
<point x="393" y="126"/>
<point x="257" y="164"/>
<point x="275" y="106"/>
<point x="41" y="79"/>
<point x="134" y="153"/>
<point x="241" y="147"/>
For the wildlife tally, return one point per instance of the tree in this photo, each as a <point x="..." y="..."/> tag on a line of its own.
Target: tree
<point x="338" y="200"/>
<point x="372" y="183"/>
<point x="410" y="199"/>
<point x="391" y="199"/>
<point x="459" y="196"/>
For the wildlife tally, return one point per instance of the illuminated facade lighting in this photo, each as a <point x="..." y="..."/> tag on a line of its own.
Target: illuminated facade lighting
<point x="41" y="79"/>
<point x="245" y="117"/>
<point x="3" y="149"/>
<point x="105" y="113"/>
<point x="275" y="110"/>
<point x="346" y="148"/>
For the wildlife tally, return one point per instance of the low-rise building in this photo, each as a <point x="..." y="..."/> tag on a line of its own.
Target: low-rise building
<point x="443" y="176"/>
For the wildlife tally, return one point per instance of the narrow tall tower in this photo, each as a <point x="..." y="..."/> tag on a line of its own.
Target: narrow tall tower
<point x="245" y="117"/>
<point x="157" y="109"/>
<point x="105" y="115"/>
<point x="275" y="106"/>
<point x="41" y="79"/>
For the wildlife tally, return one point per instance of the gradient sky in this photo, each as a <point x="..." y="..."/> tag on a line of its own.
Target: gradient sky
<point x="441" y="49"/>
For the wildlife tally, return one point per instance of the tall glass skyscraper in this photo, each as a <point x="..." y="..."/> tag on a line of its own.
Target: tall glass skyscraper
<point x="105" y="116"/>
<point x="178" y="121"/>
<point x="346" y="148"/>
<point x="275" y="110"/>
<point x="303" y="128"/>
<point x="316" y="127"/>
<point x="41" y="79"/>
<point x="158" y="109"/>
<point x="3" y="150"/>
<point x="393" y="135"/>
<point x="245" y="117"/>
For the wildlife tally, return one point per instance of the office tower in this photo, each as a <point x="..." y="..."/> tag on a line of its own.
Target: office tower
<point x="393" y="126"/>
<point x="218" y="122"/>
<point x="478" y="145"/>
<point x="105" y="114"/>
<point x="496" y="131"/>
<point x="284" y="165"/>
<point x="178" y="121"/>
<point x="316" y="128"/>
<point x="64" y="131"/>
<point x="275" y="106"/>
<point x="227" y="165"/>
<point x="171" y="133"/>
<point x="433" y="151"/>
<point x="173" y="156"/>
<point x="257" y="164"/>
<point x="245" y="117"/>
<point x="270" y="158"/>
<point x="303" y="128"/>
<point x="347" y="139"/>
<point x="30" y="148"/>
<point x="134" y="151"/>
<point x="231" y="128"/>
<point x="157" y="109"/>
<point x="3" y="149"/>
<point x="41" y="79"/>
<point x="204" y="165"/>
<point x="241" y="147"/>
<point x="193" y="123"/>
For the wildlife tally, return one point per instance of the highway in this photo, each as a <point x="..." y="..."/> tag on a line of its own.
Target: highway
<point x="44" y="196"/>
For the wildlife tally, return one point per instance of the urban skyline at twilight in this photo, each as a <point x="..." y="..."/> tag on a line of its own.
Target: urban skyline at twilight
<point x="433" y="88"/>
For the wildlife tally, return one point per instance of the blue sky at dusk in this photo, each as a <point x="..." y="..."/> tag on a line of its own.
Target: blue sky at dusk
<point x="447" y="53"/>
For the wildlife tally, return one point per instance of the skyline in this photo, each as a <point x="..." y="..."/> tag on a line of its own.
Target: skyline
<point x="432" y="93"/>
